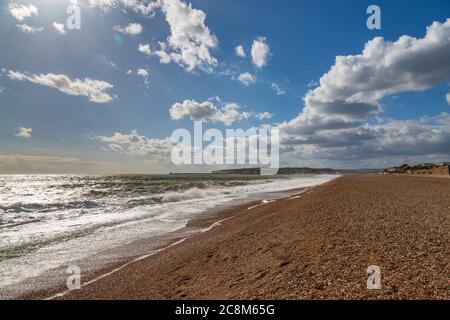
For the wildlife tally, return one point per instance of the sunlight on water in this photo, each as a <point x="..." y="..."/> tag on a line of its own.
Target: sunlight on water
<point x="48" y="220"/>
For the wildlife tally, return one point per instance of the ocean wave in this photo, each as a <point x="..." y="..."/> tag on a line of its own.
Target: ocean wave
<point x="193" y="193"/>
<point x="20" y="207"/>
<point x="59" y="225"/>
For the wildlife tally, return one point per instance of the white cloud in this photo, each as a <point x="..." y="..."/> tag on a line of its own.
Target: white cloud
<point x="144" y="7"/>
<point x="342" y="118"/>
<point x="260" y="52"/>
<point x="190" y="40"/>
<point x="132" y="29"/>
<point x="207" y="111"/>
<point x="247" y="79"/>
<point x="227" y="113"/>
<point x="239" y="50"/>
<point x="164" y="57"/>
<point x="103" y="5"/>
<point x="95" y="90"/>
<point x="145" y="49"/>
<point x="136" y="145"/>
<point x="394" y="138"/>
<point x="24" y="133"/>
<point x="29" y="29"/>
<point x="264" y="115"/>
<point x="142" y="72"/>
<point x="448" y="98"/>
<point x="195" y="110"/>
<point x="21" y="12"/>
<point x="351" y="90"/>
<point x="277" y="89"/>
<point x="59" y="27"/>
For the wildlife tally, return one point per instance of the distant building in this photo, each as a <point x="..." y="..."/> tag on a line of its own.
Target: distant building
<point x="426" y="165"/>
<point x="423" y="171"/>
<point x="441" y="170"/>
<point x="402" y="169"/>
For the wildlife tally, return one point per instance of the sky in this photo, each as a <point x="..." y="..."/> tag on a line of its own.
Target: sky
<point x="105" y="98"/>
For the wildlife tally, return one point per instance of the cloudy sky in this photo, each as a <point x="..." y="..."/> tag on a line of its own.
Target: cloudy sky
<point x="105" y="98"/>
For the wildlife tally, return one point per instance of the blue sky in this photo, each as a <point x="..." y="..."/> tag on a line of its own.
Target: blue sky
<point x="72" y="133"/>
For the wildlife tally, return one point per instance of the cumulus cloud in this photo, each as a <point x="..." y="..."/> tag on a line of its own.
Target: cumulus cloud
<point x="448" y="98"/>
<point x="207" y="111"/>
<point x="132" y="29"/>
<point x="95" y="90"/>
<point x="395" y="138"/>
<point x="278" y="89"/>
<point x="142" y="72"/>
<point x="227" y="113"/>
<point x="164" y="57"/>
<point x="246" y="79"/>
<point x="351" y="90"/>
<point x="24" y="132"/>
<point x="21" y="12"/>
<point x="145" y="49"/>
<point x="136" y="145"/>
<point x="29" y="29"/>
<point x="260" y="52"/>
<point x="190" y="40"/>
<point x="144" y="7"/>
<point x="103" y="5"/>
<point x="239" y="50"/>
<point x="59" y="28"/>
<point x="341" y="117"/>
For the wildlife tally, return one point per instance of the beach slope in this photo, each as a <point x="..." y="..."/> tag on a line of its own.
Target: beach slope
<point x="317" y="245"/>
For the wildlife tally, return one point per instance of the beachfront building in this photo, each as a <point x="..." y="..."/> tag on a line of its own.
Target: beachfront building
<point x="445" y="170"/>
<point x="402" y="169"/>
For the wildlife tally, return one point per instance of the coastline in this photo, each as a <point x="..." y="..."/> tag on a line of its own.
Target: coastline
<point x="52" y="283"/>
<point x="315" y="245"/>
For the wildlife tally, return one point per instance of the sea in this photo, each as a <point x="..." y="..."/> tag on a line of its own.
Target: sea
<point x="50" y="221"/>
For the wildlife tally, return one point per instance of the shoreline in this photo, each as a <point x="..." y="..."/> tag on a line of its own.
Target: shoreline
<point x="314" y="246"/>
<point x="204" y="222"/>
